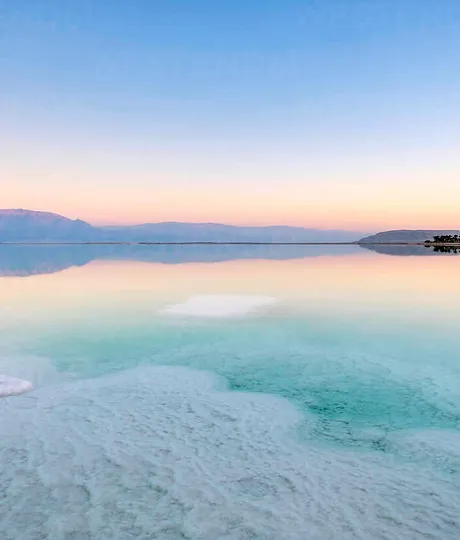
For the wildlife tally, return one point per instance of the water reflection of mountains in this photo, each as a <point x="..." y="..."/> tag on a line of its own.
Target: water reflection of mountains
<point x="28" y="260"/>
<point x="418" y="251"/>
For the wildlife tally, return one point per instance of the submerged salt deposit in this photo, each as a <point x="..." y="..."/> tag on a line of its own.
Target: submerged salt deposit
<point x="10" y="386"/>
<point x="219" y="305"/>
<point x="334" y="415"/>
<point x="168" y="453"/>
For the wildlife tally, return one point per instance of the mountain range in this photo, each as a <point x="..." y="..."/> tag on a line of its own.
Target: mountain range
<point x="27" y="226"/>
<point x="32" y="226"/>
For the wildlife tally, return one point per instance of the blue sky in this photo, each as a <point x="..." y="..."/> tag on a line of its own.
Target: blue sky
<point x="329" y="113"/>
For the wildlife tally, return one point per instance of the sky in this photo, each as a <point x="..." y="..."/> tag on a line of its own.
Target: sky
<point x="329" y="114"/>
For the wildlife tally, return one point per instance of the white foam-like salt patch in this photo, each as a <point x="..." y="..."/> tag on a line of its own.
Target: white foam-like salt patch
<point x="167" y="453"/>
<point x="441" y="447"/>
<point x="10" y="386"/>
<point x="219" y="305"/>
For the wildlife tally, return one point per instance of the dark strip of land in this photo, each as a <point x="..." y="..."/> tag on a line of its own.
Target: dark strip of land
<point x="431" y="244"/>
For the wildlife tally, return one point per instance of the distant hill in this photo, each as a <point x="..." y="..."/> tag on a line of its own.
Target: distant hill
<point x="31" y="226"/>
<point x="216" y="232"/>
<point x="404" y="236"/>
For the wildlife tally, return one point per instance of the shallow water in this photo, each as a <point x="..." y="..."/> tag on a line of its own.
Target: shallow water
<point x="229" y="392"/>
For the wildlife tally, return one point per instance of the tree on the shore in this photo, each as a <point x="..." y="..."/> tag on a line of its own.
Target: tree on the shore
<point x="445" y="239"/>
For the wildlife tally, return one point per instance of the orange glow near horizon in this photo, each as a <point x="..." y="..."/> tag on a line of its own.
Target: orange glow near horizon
<point x="277" y="124"/>
<point x="119" y="188"/>
<point x="339" y="207"/>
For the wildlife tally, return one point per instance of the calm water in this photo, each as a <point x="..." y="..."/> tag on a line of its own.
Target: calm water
<point x="210" y="393"/>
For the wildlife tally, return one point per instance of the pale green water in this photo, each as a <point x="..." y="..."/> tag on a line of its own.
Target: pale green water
<point x="342" y="418"/>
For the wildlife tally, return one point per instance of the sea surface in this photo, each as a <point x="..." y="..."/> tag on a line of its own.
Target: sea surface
<point x="230" y="392"/>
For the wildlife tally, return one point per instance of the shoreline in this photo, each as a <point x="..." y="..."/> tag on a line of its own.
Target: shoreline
<point x="192" y="243"/>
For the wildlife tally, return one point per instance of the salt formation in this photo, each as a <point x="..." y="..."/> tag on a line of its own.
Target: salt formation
<point x="219" y="305"/>
<point x="9" y="386"/>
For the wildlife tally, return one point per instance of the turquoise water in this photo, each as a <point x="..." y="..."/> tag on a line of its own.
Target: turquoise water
<point x="280" y="393"/>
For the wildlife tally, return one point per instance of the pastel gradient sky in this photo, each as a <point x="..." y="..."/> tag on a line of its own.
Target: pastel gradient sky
<point x="322" y="113"/>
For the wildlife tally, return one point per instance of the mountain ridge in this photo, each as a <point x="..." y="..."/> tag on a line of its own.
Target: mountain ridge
<point x="20" y="225"/>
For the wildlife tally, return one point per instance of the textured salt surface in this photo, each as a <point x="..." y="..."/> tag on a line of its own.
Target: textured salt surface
<point x="219" y="305"/>
<point x="167" y="453"/>
<point x="10" y="386"/>
<point x="439" y="448"/>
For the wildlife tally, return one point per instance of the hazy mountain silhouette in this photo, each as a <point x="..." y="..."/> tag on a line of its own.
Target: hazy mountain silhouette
<point x="404" y="236"/>
<point x="31" y="226"/>
<point x="216" y="232"/>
